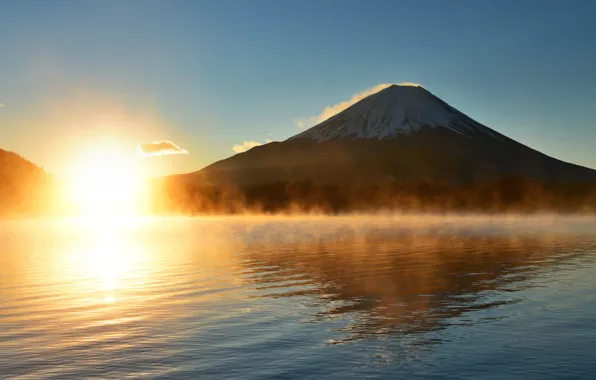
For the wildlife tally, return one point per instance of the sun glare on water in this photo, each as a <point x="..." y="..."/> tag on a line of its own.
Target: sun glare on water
<point x="106" y="182"/>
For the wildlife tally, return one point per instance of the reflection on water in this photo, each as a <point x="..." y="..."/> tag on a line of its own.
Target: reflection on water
<point x="280" y="298"/>
<point x="407" y="285"/>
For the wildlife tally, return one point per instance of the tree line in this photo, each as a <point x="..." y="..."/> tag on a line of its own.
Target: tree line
<point x="512" y="194"/>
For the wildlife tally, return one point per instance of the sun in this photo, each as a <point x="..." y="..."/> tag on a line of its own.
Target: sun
<point x="105" y="181"/>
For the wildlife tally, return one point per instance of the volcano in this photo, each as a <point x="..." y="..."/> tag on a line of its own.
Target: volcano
<point x="401" y="134"/>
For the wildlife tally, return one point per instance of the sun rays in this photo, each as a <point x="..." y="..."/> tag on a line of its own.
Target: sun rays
<point x="106" y="182"/>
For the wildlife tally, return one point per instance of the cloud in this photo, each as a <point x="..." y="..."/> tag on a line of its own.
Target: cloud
<point x="239" y="148"/>
<point x="306" y="122"/>
<point x="2" y="105"/>
<point x="329" y="111"/>
<point x="159" y="148"/>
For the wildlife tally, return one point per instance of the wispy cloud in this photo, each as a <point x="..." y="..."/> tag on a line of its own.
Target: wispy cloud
<point x="247" y="145"/>
<point x="239" y="148"/>
<point x="329" y="111"/>
<point x="2" y="105"/>
<point x="411" y="84"/>
<point x="306" y="122"/>
<point x="159" y="148"/>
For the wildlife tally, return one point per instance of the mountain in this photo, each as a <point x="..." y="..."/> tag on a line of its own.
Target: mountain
<point x="393" y="112"/>
<point x="24" y="186"/>
<point x="401" y="148"/>
<point x="402" y="134"/>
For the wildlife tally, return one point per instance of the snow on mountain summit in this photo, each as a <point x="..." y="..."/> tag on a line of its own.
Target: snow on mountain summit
<point x="397" y="110"/>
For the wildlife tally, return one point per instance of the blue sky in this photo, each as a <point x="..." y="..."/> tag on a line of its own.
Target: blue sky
<point x="211" y="74"/>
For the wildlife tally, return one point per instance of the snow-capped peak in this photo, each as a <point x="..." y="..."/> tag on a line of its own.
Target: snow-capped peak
<point x="396" y="110"/>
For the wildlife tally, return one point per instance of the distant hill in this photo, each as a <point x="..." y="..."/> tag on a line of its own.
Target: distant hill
<point x="401" y="147"/>
<point x="24" y="186"/>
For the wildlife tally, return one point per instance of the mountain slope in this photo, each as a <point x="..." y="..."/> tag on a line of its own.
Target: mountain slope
<point x="400" y="134"/>
<point x="23" y="185"/>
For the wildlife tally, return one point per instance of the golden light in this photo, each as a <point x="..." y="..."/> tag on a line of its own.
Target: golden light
<point x="106" y="181"/>
<point x="108" y="260"/>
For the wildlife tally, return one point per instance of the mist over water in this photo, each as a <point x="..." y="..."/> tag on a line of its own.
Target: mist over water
<point x="416" y="296"/>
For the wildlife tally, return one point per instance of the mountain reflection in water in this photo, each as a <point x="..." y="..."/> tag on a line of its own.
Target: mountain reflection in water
<point x="406" y="284"/>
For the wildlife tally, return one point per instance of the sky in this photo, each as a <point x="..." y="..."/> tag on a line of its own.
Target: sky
<point x="216" y="77"/>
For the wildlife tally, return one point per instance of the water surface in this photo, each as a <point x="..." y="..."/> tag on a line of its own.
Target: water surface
<point x="301" y="297"/>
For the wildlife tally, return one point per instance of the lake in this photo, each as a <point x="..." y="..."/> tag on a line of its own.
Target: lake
<point x="416" y="297"/>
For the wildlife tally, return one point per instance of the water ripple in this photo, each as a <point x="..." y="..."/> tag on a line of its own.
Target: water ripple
<point x="300" y="298"/>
